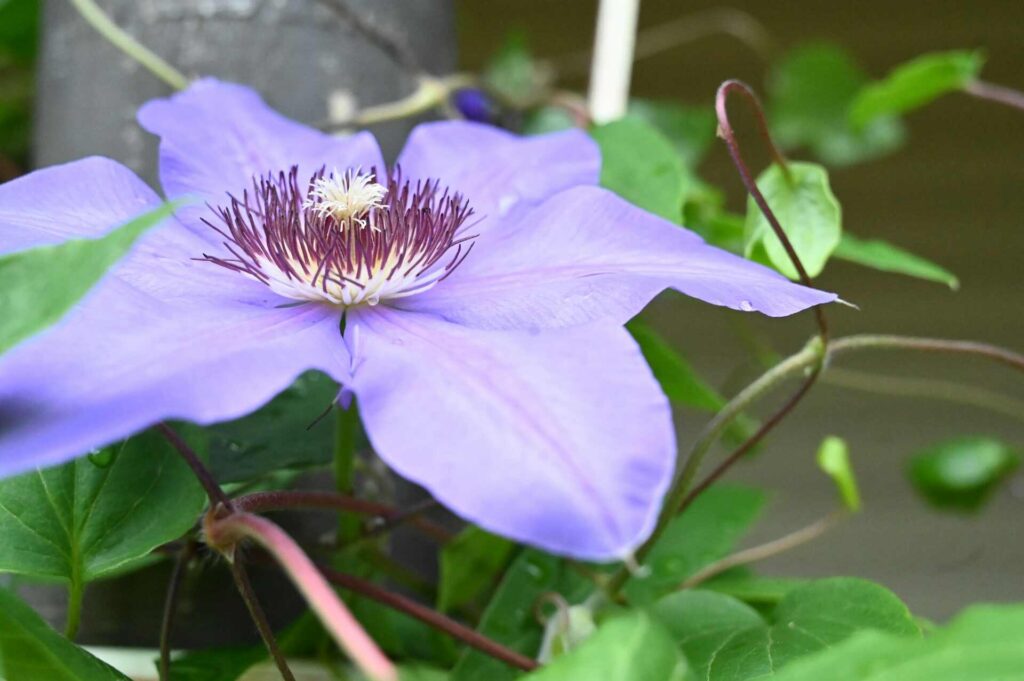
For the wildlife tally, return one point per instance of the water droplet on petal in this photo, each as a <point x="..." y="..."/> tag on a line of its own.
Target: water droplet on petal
<point x="373" y="300"/>
<point x="746" y="306"/>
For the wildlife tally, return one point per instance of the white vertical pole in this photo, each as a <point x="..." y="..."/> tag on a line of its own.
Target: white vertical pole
<point x="612" y="66"/>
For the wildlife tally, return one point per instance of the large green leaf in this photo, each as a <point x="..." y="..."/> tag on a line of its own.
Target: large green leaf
<point x="916" y="83"/>
<point x="961" y="474"/>
<point x="286" y="432"/>
<point x="982" y="644"/>
<point x="31" y="651"/>
<point x="639" y="164"/>
<point x="707" y="531"/>
<point x="470" y="564"/>
<point x="631" y="647"/>
<point x="690" y="129"/>
<point x="726" y="640"/>
<point x="810" y="92"/>
<point x="79" y="521"/>
<point x="883" y="256"/>
<point x="510" y="618"/>
<point x="41" y="284"/>
<point x="809" y="214"/>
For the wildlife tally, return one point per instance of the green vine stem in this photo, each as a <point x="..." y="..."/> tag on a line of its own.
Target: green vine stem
<point x="814" y="358"/>
<point x="117" y="37"/>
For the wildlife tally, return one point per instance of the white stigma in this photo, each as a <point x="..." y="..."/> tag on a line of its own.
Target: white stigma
<point x="347" y="197"/>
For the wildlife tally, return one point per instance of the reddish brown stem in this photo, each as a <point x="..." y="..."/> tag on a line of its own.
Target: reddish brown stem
<point x="171" y="606"/>
<point x="241" y="576"/>
<point x="430" y="617"/>
<point x="752" y="441"/>
<point x="261" y="502"/>
<point x="202" y="473"/>
<point x="725" y="131"/>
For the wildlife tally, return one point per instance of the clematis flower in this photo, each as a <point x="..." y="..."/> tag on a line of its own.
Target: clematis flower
<point x="472" y="297"/>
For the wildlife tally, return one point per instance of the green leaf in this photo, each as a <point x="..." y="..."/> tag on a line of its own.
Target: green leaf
<point x="470" y="564"/>
<point x="77" y="522"/>
<point x="884" y="256"/>
<point x="639" y="164"/>
<point x="726" y="640"/>
<point x="513" y="75"/>
<point x="631" y="647"/>
<point x="808" y="212"/>
<point x="961" y="474"/>
<point x="753" y="589"/>
<point x="283" y="433"/>
<point x="690" y="129"/>
<point x="677" y="378"/>
<point x="420" y="673"/>
<point x="916" y="83"/>
<point x="31" y="650"/>
<point x="705" y="532"/>
<point x="41" y="284"/>
<point x="547" y="119"/>
<point x="834" y="459"/>
<point x="19" y="29"/>
<point x="982" y="644"/>
<point x="810" y="92"/>
<point x="509" y="617"/>
<point x="217" y="664"/>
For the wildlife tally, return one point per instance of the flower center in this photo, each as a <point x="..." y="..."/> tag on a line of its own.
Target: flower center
<point x="344" y="239"/>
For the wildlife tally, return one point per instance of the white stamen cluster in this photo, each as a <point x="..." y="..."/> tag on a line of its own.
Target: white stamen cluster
<point x="347" y="197"/>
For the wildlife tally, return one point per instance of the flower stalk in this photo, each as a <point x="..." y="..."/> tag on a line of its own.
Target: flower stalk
<point x="120" y="39"/>
<point x="225" y="533"/>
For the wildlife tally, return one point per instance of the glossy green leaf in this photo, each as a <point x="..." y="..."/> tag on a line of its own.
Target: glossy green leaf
<point x="961" y="474"/>
<point x="510" y="618"/>
<point x="630" y="647"/>
<point x="834" y="459"/>
<point x="32" y="651"/>
<point x="690" y="129"/>
<point x="41" y="284"/>
<point x="470" y="564"/>
<point x="77" y="522"/>
<point x="707" y="531"/>
<point x="286" y="432"/>
<point x="808" y="212"/>
<point x="982" y="644"/>
<point x="810" y="92"/>
<point x="916" y="83"/>
<point x="639" y="164"/>
<point x="883" y="256"/>
<point x="726" y="640"/>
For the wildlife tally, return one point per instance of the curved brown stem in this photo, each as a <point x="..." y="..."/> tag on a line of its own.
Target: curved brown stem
<point x="261" y="502"/>
<point x="185" y="555"/>
<point x="202" y="473"/>
<point x="259" y="617"/>
<point x="725" y="131"/>
<point x="430" y="617"/>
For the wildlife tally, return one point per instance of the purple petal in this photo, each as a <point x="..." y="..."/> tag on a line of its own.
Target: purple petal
<point x="497" y="171"/>
<point x="81" y="199"/>
<point x="125" y="359"/>
<point x="561" y="439"/>
<point x="585" y="255"/>
<point x="215" y="137"/>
